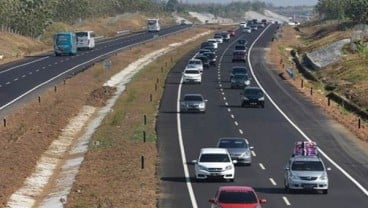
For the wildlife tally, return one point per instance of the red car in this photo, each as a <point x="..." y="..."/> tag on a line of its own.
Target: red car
<point x="231" y="32"/>
<point x="236" y="197"/>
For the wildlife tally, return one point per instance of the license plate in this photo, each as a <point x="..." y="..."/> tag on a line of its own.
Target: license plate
<point x="214" y="174"/>
<point x="308" y="186"/>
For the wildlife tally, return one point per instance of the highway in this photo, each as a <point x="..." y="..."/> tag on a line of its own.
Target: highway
<point x="287" y="117"/>
<point x="22" y="78"/>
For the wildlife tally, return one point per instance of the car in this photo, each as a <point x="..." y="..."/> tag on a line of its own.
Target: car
<point x="219" y="37"/>
<point x="192" y="74"/>
<point x="204" y="59"/>
<point x="305" y="170"/>
<point x="204" y="50"/>
<point x="209" y="46"/>
<point x="242" y="42"/>
<point x="211" y="57"/>
<point x="254" y="27"/>
<point x="231" y="32"/>
<point x="242" y="24"/>
<point x="197" y="63"/>
<point x="236" y="197"/>
<point x="193" y="103"/>
<point x="239" y="81"/>
<point x="226" y="36"/>
<point x="238" y="148"/>
<point x="239" y="56"/>
<point x="240" y="48"/>
<point x="252" y="96"/>
<point x="238" y="70"/>
<point x="247" y="30"/>
<point x="214" y="163"/>
<point x="214" y="41"/>
<point x="261" y="25"/>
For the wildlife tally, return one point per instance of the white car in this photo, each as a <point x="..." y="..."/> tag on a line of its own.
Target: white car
<point x="214" y="41"/>
<point x="195" y="63"/>
<point x="219" y="37"/>
<point x="242" y="24"/>
<point x="192" y="74"/>
<point x="214" y="163"/>
<point x="247" y="30"/>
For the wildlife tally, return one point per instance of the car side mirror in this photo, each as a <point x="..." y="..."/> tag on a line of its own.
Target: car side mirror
<point x="287" y="168"/>
<point x="251" y="147"/>
<point x="212" y="201"/>
<point x="328" y="169"/>
<point x="205" y="100"/>
<point x="194" y="161"/>
<point x="235" y="161"/>
<point x="263" y="201"/>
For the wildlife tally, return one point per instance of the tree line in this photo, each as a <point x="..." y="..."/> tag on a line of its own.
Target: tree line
<point x="354" y="10"/>
<point x="31" y="17"/>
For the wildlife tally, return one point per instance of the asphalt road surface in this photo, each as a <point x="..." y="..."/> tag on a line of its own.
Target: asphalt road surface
<point x="20" y="79"/>
<point x="287" y="117"/>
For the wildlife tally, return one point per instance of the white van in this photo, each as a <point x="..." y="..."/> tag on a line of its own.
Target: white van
<point x="85" y="40"/>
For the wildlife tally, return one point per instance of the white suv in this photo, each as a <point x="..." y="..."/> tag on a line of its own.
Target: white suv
<point x="214" y="163"/>
<point x="192" y="74"/>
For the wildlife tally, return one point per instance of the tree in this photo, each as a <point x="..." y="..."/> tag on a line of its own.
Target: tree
<point x="357" y="10"/>
<point x="172" y="5"/>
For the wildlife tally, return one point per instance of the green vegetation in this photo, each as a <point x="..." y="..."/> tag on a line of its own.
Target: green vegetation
<point x="355" y="10"/>
<point x="32" y="17"/>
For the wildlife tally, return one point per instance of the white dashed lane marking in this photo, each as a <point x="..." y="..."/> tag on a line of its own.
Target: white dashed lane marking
<point x="232" y="116"/>
<point x="286" y="201"/>
<point x="262" y="166"/>
<point x="16" y="79"/>
<point x="23" y="75"/>
<point x="226" y="103"/>
<point x="229" y="110"/>
<point x="8" y="83"/>
<point x="241" y="132"/>
<point x="29" y="73"/>
<point x="44" y="67"/>
<point x="223" y="93"/>
<point x="236" y="123"/>
<point x="224" y="98"/>
<point x="273" y="182"/>
<point x="37" y="70"/>
<point x="253" y="153"/>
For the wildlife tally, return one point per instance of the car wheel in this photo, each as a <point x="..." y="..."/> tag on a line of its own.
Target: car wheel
<point x="232" y="180"/>
<point x="325" y="191"/>
<point x="242" y="104"/>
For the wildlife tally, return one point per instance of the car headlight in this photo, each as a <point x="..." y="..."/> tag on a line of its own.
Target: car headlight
<point x="293" y="177"/>
<point x="261" y="99"/>
<point x="247" y="82"/>
<point x="323" y="176"/>
<point x="229" y="167"/>
<point x="245" y="98"/>
<point x="202" y="167"/>
<point x="201" y="105"/>
<point x="245" y="154"/>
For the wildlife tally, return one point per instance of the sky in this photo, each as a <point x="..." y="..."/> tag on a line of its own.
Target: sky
<point x="274" y="2"/>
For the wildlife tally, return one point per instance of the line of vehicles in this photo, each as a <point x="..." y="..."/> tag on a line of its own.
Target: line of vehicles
<point x="68" y="43"/>
<point x="305" y="170"/>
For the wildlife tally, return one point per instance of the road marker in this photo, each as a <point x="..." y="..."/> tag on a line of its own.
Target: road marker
<point x="262" y="166"/>
<point x="286" y="201"/>
<point x="273" y="182"/>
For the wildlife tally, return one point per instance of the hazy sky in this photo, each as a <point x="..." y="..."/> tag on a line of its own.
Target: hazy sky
<point x="274" y="2"/>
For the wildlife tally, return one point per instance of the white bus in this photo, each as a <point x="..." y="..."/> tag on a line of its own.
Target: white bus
<point x="85" y="40"/>
<point x="153" y="25"/>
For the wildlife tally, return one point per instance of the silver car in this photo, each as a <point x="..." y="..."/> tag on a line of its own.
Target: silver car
<point x="307" y="173"/>
<point x="238" y="148"/>
<point x="193" y="103"/>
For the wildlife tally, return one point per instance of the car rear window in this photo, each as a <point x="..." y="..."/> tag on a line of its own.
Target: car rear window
<point x="307" y="166"/>
<point x="192" y="72"/>
<point x="214" y="158"/>
<point x="253" y="92"/>
<point x="240" y="71"/>
<point x="233" y="144"/>
<point x="240" y="47"/>
<point x="193" y="98"/>
<point x="237" y="197"/>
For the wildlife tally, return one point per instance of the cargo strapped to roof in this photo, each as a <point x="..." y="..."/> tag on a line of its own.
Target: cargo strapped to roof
<point x="305" y="148"/>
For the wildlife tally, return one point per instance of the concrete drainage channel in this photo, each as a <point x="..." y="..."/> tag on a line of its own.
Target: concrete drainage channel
<point x="49" y="185"/>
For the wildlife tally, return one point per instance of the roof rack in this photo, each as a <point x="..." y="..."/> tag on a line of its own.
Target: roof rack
<point x="305" y="148"/>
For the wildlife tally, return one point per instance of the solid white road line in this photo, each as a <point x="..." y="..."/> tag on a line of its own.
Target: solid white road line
<point x="286" y="201"/>
<point x="344" y="172"/>
<point x="262" y="166"/>
<point x="37" y="60"/>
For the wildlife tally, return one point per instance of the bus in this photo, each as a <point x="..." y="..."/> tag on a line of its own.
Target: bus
<point x="85" y="40"/>
<point x="153" y="25"/>
<point x="65" y="43"/>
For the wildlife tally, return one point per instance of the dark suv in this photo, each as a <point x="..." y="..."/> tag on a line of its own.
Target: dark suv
<point x="238" y="70"/>
<point x="253" y="96"/>
<point x="239" y="56"/>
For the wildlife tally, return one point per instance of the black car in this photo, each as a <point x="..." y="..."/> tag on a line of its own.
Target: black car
<point x="242" y="42"/>
<point x="204" y="59"/>
<point x="253" y="96"/>
<point x="238" y="70"/>
<point x="239" y="81"/>
<point x="204" y="50"/>
<point x="211" y="57"/>
<point x="209" y="46"/>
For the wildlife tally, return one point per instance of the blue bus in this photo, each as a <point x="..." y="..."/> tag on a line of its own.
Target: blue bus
<point x="65" y="43"/>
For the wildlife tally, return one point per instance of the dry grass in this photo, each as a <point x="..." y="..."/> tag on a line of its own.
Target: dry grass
<point x="289" y="40"/>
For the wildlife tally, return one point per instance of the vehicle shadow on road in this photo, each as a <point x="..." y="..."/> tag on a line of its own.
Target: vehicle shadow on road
<point x="268" y="190"/>
<point x="230" y="106"/>
<point x="191" y="179"/>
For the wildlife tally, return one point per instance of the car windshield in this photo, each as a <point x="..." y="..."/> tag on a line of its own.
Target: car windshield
<point x="193" y="98"/>
<point x="239" y="71"/>
<point x="192" y="72"/>
<point x="210" y="55"/>
<point x="240" y="47"/>
<point x="307" y="166"/>
<point x="241" y="76"/>
<point x="237" y="197"/>
<point x="194" y="62"/>
<point x="214" y="158"/>
<point x="242" y="42"/>
<point x="253" y="92"/>
<point x="229" y="143"/>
